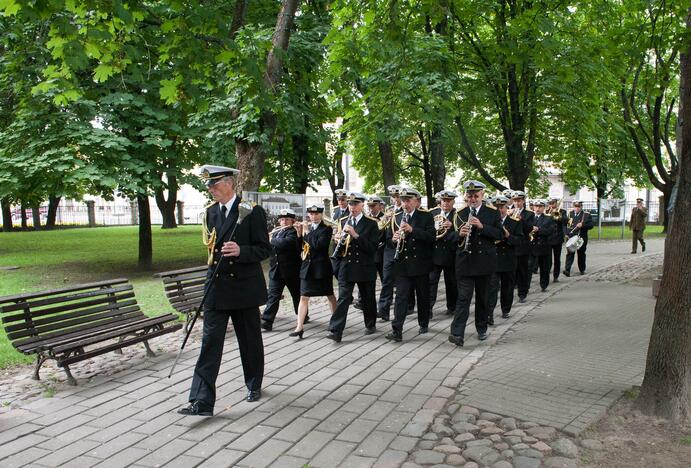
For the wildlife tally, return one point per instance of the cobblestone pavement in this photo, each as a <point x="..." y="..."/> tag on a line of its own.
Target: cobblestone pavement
<point x="364" y="402"/>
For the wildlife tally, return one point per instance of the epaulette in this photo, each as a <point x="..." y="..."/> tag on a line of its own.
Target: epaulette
<point x="491" y="207"/>
<point x="424" y="210"/>
<point x="342" y="218"/>
<point x="435" y="208"/>
<point x="210" y="205"/>
<point x="528" y="211"/>
<point x="335" y="207"/>
<point x="372" y="218"/>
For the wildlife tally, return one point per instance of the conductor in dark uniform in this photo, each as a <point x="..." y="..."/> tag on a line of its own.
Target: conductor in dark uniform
<point x="284" y="266"/>
<point x="540" y="237"/>
<point x="412" y="240"/>
<point x="239" y="241"/>
<point x="504" y="278"/>
<point x="579" y="224"/>
<point x="523" y="274"/>
<point x="444" y="255"/>
<point x="357" y="241"/>
<point x="476" y="261"/>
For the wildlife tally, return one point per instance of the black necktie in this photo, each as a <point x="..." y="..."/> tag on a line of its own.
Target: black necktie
<point x="473" y="212"/>
<point x="406" y="217"/>
<point x="224" y="210"/>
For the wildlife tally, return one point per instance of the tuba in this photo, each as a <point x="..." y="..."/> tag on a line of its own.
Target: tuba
<point x="439" y="225"/>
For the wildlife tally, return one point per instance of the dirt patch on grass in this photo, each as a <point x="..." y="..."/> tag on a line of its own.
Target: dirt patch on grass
<point x="633" y="440"/>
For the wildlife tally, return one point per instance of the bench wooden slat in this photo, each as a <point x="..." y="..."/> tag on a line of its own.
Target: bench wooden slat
<point x="51" y="292"/>
<point x="181" y="288"/>
<point x="123" y="330"/>
<point x="184" y="288"/>
<point x="70" y="298"/>
<point x="67" y="326"/>
<point x="49" y="339"/>
<point x="114" y="346"/>
<point x="70" y="315"/>
<point x="53" y="311"/>
<point x="182" y="271"/>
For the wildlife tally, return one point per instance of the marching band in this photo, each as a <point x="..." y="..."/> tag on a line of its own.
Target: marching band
<point x="485" y="250"/>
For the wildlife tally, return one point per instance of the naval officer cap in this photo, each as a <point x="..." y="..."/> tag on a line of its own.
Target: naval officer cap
<point x="508" y="193"/>
<point x="639" y="199"/>
<point x="315" y="209"/>
<point x="489" y="199"/>
<point x="518" y="194"/>
<point x="539" y="202"/>
<point x="473" y="186"/>
<point x="286" y="213"/>
<point x="373" y="200"/>
<point x="446" y="195"/>
<point x="500" y="200"/>
<point x="356" y="197"/>
<point x="577" y="203"/>
<point x="393" y="190"/>
<point x="407" y="192"/>
<point x="212" y="174"/>
<point x="341" y="193"/>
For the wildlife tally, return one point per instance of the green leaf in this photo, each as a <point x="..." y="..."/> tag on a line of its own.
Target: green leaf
<point x="102" y="72"/>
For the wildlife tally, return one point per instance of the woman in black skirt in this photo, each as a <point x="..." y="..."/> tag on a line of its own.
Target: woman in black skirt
<point x="316" y="273"/>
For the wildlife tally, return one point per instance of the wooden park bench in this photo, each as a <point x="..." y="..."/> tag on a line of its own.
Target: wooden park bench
<point x="184" y="288"/>
<point x="79" y="322"/>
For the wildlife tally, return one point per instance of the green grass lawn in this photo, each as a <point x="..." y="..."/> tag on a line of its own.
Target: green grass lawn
<point x="51" y="259"/>
<point x="614" y="232"/>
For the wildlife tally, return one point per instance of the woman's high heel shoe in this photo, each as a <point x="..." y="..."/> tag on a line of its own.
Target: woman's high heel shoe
<point x="297" y="333"/>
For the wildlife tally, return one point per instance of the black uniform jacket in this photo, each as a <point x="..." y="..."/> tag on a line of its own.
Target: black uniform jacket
<point x="541" y="239"/>
<point x="358" y="263"/>
<point x="416" y="257"/>
<point x="339" y="212"/>
<point x="560" y="221"/>
<point x="575" y="219"/>
<point x="445" y="247"/>
<point x="379" y="255"/>
<point x="239" y="283"/>
<point x="317" y="265"/>
<point x="506" y="247"/>
<point x="285" y="254"/>
<point x="482" y="258"/>
<point x="527" y="222"/>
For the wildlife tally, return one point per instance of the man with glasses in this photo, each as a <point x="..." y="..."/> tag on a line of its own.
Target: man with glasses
<point x="476" y="261"/>
<point x="235" y="292"/>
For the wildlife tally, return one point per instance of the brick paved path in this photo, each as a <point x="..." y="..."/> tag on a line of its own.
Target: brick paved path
<point x="361" y="403"/>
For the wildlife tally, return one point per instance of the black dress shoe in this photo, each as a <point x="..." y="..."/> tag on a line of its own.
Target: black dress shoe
<point x="197" y="408"/>
<point x="423" y="330"/>
<point x="254" y="395"/>
<point x="394" y="337"/>
<point x="457" y="340"/>
<point x="555" y="280"/>
<point x="505" y="316"/>
<point x="297" y="333"/>
<point x="544" y="289"/>
<point x="643" y="247"/>
<point x="383" y="318"/>
<point x="267" y="325"/>
<point x="370" y="330"/>
<point x="491" y="324"/>
<point x="567" y="273"/>
<point x="582" y="273"/>
<point x="482" y="336"/>
<point x="307" y="320"/>
<point x="521" y="300"/>
<point x="358" y="305"/>
<point x="335" y="337"/>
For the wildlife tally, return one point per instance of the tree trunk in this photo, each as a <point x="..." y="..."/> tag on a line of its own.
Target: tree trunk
<point x="438" y="167"/>
<point x="25" y="225"/>
<point x="251" y="155"/>
<point x="665" y="389"/>
<point x="6" y="215"/>
<point x="337" y="178"/>
<point x="145" y="242"/>
<point x="53" y="203"/>
<point x="388" y="166"/>
<point x="167" y="207"/>
<point x="36" y="216"/>
<point x="301" y="161"/>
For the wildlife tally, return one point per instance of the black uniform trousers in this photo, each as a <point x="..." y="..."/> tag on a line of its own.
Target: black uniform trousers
<point x="405" y="287"/>
<point x="388" y="281"/>
<point x="556" y="260"/>
<point x="466" y="286"/>
<point x="581" y="258"/>
<point x="276" y="287"/>
<point x="523" y="275"/>
<point x="247" y="328"/>
<point x="345" y="298"/>
<point x="544" y="263"/>
<point x="450" y="283"/>
<point x="501" y="285"/>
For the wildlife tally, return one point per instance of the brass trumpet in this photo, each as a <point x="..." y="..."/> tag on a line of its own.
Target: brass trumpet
<point x="343" y="243"/>
<point x="400" y="243"/>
